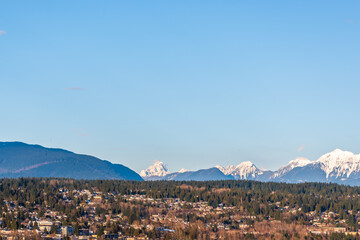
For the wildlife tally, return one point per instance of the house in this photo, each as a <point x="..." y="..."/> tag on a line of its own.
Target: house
<point x="67" y="230"/>
<point x="45" y="225"/>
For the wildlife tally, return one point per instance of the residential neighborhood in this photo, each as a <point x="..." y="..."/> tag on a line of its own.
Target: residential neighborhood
<point x="62" y="211"/>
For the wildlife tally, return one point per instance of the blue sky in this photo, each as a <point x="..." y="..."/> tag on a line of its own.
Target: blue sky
<point x="192" y="83"/>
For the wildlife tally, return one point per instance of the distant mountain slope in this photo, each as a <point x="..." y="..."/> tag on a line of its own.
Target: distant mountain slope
<point x="211" y="174"/>
<point x="244" y="170"/>
<point x="298" y="162"/>
<point x="338" y="166"/>
<point x="158" y="169"/>
<point x="307" y="173"/>
<point x="23" y="160"/>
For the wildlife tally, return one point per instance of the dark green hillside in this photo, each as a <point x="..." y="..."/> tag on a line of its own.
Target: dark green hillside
<point x="23" y="160"/>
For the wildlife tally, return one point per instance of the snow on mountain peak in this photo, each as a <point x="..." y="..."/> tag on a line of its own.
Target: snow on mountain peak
<point x="337" y="151"/>
<point x="183" y="170"/>
<point x="246" y="164"/>
<point x="158" y="169"/>
<point x="243" y="170"/>
<point x="339" y="163"/>
<point x="221" y="168"/>
<point x="298" y="162"/>
<point x="334" y="166"/>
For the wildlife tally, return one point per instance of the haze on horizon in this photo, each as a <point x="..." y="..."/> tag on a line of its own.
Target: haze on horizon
<point x="193" y="84"/>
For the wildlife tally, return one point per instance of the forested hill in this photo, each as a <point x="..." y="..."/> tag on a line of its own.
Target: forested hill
<point x="23" y="160"/>
<point x="250" y="194"/>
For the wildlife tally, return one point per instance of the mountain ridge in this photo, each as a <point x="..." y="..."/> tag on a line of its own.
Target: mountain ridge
<point x="338" y="166"/>
<point x="18" y="159"/>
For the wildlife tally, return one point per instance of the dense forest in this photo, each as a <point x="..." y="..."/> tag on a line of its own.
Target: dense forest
<point x="249" y="194"/>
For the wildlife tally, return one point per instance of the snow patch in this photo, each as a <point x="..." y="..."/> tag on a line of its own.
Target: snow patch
<point x="242" y="171"/>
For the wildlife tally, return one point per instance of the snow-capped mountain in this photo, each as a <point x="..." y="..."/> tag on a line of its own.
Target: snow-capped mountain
<point x="298" y="162"/>
<point x="337" y="166"/>
<point x="157" y="169"/>
<point x="245" y="170"/>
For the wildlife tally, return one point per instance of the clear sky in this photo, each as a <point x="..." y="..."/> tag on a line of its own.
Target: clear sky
<point x="192" y="83"/>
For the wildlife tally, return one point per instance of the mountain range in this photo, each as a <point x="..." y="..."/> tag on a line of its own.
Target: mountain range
<point x="338" y="166"/>
<point x="19" y="159"/>
<point x="24" y="160"/>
